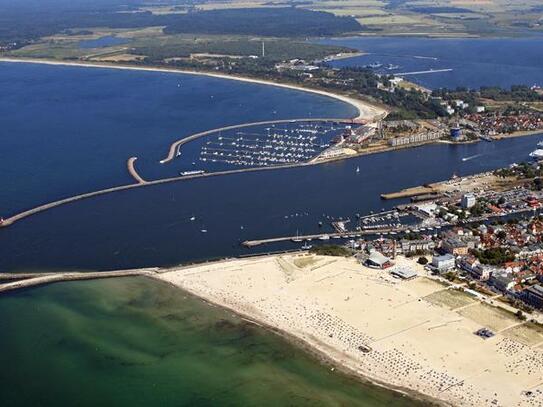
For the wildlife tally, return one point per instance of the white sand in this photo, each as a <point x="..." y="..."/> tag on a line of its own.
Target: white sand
<point x="366" y="111"/>
<point x="335" y="305"/>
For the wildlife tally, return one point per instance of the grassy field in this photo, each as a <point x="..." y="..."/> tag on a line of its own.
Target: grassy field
<point x="430" y="17"/>
<point x="451" y="299"/>
<point x="490" y="317"/>
<point x="529" y="334"/>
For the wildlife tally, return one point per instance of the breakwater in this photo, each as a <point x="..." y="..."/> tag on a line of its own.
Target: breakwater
<point x="131" y="166"/>
<point x="35" y="279"/>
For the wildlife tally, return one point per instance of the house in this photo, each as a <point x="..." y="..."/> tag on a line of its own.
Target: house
<point x="443" y="263"/>
<point x="377" y="260"/>
<point x="534" y="296"/>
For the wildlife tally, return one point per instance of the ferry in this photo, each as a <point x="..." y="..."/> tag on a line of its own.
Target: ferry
<point x="195" y="172"/>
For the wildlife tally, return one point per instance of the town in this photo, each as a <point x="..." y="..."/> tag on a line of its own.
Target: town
<point x="483" y="232"/>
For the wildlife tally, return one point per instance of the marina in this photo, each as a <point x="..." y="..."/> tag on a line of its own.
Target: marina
<point x="278" y="143"/>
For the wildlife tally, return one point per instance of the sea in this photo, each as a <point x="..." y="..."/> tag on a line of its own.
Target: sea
<point x="135" y="341"/>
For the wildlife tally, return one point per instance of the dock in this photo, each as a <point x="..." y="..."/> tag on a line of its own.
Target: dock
<point x="325" y="236"/>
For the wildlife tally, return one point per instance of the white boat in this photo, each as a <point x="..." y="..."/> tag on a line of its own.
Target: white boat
<point x="297" y="239"/>
<point x="540" y="144"/>
<point x="192" y="218"/>
<point x="306" y="246"/>
<point x="196" y="172"/>
<point x="203" y="230"/>
<point x="324" y="237"/>
<point x="357" y="170"/>
<point x="537" y="154"/>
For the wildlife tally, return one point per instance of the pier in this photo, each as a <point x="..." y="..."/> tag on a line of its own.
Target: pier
<point x="424" y="72"/>
<point x="325" y="236"/>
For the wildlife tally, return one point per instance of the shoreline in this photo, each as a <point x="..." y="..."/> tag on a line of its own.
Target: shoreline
<point x="366" y="111"/>
<point x="323" y="357"/>
<point x="408" y="339"/>
<point x="407" y="344"/>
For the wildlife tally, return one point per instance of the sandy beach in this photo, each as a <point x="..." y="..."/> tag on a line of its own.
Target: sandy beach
<point x="365" y="110"/>
<point x="415" y="335"/>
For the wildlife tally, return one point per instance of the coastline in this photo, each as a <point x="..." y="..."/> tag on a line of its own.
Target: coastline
<point x="366" y="111"/>
<point x="320" y="354"/>
<point x="321" y="304"/>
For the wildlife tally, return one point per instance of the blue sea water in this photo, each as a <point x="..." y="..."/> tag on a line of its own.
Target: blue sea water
<point x="69" y="130"/>
<point x="475" y="62"/>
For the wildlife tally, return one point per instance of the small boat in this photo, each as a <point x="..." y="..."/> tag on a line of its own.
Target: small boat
<point x="357" y="170"/>
<point x="203" y="230"/>
<point x="307" y="246"/>
<point x="297" y="239"/>
<point x="324" y="237"/>
<point x="192" y="218"/>
<point x="189" y="173"/>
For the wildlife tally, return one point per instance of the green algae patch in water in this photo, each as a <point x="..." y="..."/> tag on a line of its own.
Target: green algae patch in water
<point x="137" y="342"/>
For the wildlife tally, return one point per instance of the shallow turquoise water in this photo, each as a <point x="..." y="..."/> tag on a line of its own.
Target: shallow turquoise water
<point x="137" y="342"/>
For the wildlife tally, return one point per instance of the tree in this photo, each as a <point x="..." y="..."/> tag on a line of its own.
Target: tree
<point x="422" y="260"/>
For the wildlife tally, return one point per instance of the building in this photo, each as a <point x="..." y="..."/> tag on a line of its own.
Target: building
<point x="443" y="263"/>
<point x="415" y="139"/>
<point x="377" y="260"/>
<point x="456" y="133"/>
<point x="455" y="246"/>
<point x="468" y="201"/>
<point x="417" y="246"/>
<point x="403" y="273"/>
<point x="482" y="272"/>
<point x="534" y="296"/>
<point x="501" y="280"/>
